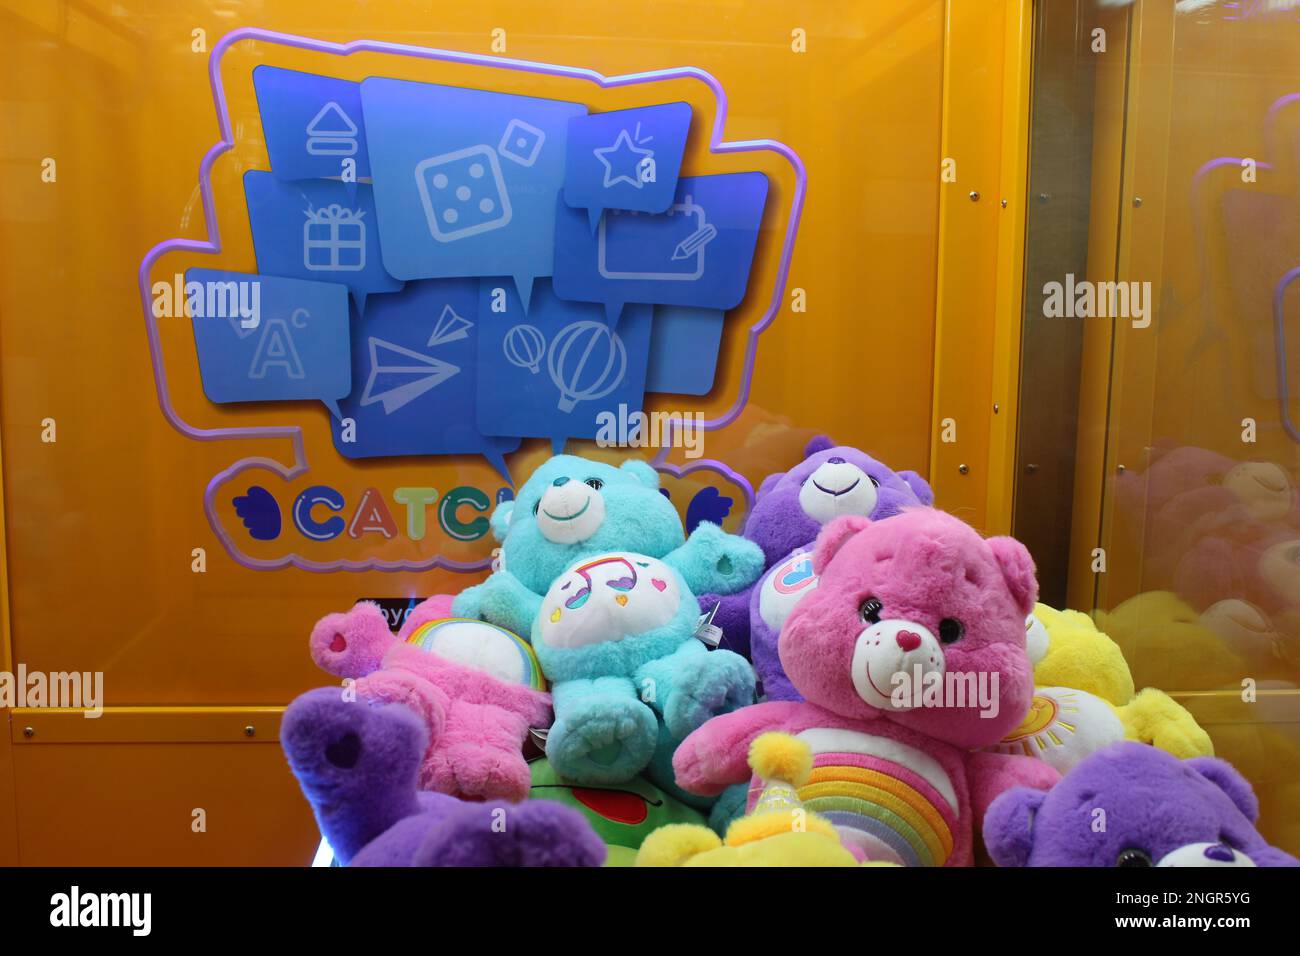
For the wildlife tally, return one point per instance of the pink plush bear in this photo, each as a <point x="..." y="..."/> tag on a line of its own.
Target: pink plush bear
<point x="476" y="713"/>
<point x="909" y="654"/>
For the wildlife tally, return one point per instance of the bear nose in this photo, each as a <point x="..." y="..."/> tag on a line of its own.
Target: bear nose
<point x="560" y="482"/>
<point x="1220" y="852"/>
<point x="835" y="461"/>
<point x="908" y="640"/>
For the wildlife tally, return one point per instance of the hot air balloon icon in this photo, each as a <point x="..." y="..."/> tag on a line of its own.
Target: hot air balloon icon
<point x="524" y="346"/>
<point x="586" y="361"/>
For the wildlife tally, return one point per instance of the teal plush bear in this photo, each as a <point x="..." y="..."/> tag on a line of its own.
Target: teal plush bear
<point x="571" y="508"/>
<point x="615" y="636"/>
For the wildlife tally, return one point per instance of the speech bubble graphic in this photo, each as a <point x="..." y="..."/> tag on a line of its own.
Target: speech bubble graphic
<point x="698" y="253"/>
<point x="625" y="159"/>
<point x="414" y="374"/>
<point x="684" y="350"/>
<point x="549" y="373"/>
<point x="266" y="338"/>
<point x="317" y="230"/>
<point x="466" y="181"/>
<point x="311" y="460"/>
<point x="313" y="124"/>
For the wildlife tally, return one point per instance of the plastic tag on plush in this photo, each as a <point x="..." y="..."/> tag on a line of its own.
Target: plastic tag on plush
<point x="706" y="632"/>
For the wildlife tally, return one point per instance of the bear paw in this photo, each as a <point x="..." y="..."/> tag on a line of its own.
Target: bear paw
<point x="475" y="772"/>
<point x="469" y="602"/>
<point x="351" y="644"/>
<point x="536" y="833"/>
<point x="714" y="683"/>
<point x="602" y="740"/>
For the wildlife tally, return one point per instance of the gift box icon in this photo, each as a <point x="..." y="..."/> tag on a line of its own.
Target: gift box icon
<point x="334" y="239"/>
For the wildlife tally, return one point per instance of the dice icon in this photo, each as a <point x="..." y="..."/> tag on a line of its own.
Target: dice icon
<point x="521" y="142"/>
<point x="463" y="193"/>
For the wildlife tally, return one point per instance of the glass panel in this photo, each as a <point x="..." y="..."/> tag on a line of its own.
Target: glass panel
<point x="1200" y="526"/>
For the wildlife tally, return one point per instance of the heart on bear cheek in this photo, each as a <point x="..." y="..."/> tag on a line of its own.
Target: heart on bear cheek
<point x="659" y="585"/>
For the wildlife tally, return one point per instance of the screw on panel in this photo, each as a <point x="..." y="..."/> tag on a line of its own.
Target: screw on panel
<point x="1137" y="201"/>
<point x="1031" y="468"/>
<point x="996" y="408"/>
<point x="29" y="731"/>
<point x="1120" y="469"/>
<point x="963" y="469"/>
<point x="1004" y="204"/>
<point x="974" y="195"/>
<point x="249" y="730"/>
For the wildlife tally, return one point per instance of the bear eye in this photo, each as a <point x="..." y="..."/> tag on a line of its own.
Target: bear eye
<point x="951" y="630"/>
<point x="870" y="610"/>
<point x="1133" y="857"/>
<point x="595" y="483"/>
<point x="874" y="481"/>
<point x="537" y="505"/>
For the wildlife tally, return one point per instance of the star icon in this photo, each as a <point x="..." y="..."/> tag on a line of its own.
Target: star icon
<point x="617" y="159"/>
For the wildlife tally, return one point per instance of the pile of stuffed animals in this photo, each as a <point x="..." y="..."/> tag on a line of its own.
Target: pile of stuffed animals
<point x="857" y="679"/>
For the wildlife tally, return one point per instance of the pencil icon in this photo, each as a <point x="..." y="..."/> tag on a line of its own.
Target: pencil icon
<point x="695" y="242"/>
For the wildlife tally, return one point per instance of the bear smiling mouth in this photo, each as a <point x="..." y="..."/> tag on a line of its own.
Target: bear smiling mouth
<point x="873" y="683"/>
<point x="842" y="491"/>
<point x="580" y="513"/>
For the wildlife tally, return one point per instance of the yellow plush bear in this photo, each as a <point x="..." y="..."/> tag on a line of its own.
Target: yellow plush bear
<point x="1084" y="698"/>
<point x="778" y="832"/>
<point x="1168" y="641"/>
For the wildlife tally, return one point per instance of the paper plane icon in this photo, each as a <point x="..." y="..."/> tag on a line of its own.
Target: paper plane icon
<point x="399" y="376"/>
<point x="450" y="327"/>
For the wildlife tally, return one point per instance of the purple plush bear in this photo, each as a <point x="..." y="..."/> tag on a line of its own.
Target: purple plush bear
<point x="358" y="763"/>
<point x="790" y="509"/>
<point x="1133" y="805"/>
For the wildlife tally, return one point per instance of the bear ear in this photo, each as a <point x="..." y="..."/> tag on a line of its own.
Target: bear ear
<point x="500" y="520"/>
<point x="642" y="471"/>
<point x="768" y="484"/>
<point x="820" y="443"/>
<point x="833" y="537"/>
<point x="1018" y="570"/>
<point x="920" y="487"/>
<point x="1009" y="825"/>
<point x="1225" y="776"/>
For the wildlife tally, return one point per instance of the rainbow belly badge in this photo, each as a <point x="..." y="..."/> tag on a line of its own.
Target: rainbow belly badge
<point x="888" y="801"/>
<point x="785" y="586"/>
<point x="481" y="646"/>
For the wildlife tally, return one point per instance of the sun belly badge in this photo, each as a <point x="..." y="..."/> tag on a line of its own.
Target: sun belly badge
<point x="1062" y="727"/>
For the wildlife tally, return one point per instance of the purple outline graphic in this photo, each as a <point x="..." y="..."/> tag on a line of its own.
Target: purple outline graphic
<point x="294" y="432"/>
